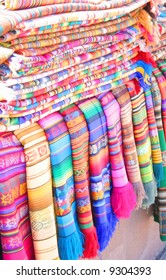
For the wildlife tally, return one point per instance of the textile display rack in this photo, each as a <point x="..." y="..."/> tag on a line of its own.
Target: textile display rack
<point x="82" y="123"/>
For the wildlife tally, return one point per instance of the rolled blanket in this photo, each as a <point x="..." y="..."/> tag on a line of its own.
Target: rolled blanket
<point x="39" y="185"/>
<point x="15" y="229"/>
<point x="70" y="238"/>
<point x="99" y="166"/>
<point x="129" y="148"/>
<point x="143" y="144"/>
<point x="77" y="4"/>
<point x="79" y="135"/>
<point x="123" y="198"/>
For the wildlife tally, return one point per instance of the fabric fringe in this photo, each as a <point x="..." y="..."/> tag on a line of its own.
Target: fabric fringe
<point x="151" y="193"/>
<point x="147" y="58"/>
<point x="102" y="234"/>
<point x="140" y="193"/>
<point x="91" y="245"/>
<point x="158" y="172"/>
<point x="112" y="222"/>
<point x="105" y="231"/>
<point x="71" y="247"/>
<point x="147" y="67"/>
<point x="123" y="200"/>
<point x="151" y="33"/>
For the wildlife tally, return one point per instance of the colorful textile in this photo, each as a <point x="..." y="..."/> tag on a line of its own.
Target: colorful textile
<point x="162" y="86"/>
<point x="52" y="14"/>
<point x="70" y="239"/>
<point x="39" y="186"/>
<point x="154" y="138"/>
<point x="143" y="144"/>
<point x="99" y="167"/>
<point x="1" y="258"/>
<point x="123" y="198"/>
<point x="79" y="136"/>
<point x="90" y="142"/>
<point x="162" y="66"/>
<point x="129" y="148"/>
<point x="15" y="5"/>
<point x="5" y="54"/>
<point x="160" y="203"/>
<point x="15" y="230"/>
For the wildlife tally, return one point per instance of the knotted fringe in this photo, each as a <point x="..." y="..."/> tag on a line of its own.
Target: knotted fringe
<point x="158" y="172"/>
<point x="91" y="245"/>
<point x="105" y="231"/>
<point x="123" y="200"/>
<point x="71" y="247"/>
<point x="140" y="193"/>
<point x="151" y="192"/>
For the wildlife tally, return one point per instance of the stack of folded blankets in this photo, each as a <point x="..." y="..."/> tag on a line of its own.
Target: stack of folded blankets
<point x="82" y="123"/>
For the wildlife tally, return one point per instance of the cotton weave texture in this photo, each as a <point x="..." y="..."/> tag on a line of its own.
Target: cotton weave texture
<point x="82" y="123"/>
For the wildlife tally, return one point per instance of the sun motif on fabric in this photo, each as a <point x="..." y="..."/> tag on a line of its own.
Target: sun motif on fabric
<point x="6" y="199"/>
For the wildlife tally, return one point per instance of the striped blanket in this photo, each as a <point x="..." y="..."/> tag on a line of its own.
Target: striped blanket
<point x="99" y="167"/>
<point x="160" y="203"/>
<point x="15" y="230"/>
<point x="123" y="198"/>
<point x="143" y="144"/>
<point x="79" y="136"/>
<point x="128" y="142"/>
<point x="70" y="239"/>
<point x="39" y="186"/>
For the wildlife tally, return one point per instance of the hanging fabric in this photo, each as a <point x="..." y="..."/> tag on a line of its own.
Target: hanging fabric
<point x="79" y="136"/>
<point x="40" y="196"/>
<point x="154" y="138"/>
<point x="123" y="198"/>
<point x="70" y="238"/>
<point x="15" y="229"/>
<point x="129" y="148"/>
<point x="161" y="80"/>
<point x="142" y="140"/>
<point x="160" y="203"/>
<point x="99" y="167"/>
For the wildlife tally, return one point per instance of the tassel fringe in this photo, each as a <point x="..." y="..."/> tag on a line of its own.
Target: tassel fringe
<point x="91" y="245"/>
<point x="102" y="235"/>
<point x="151" y="193"/>
<point x="151" y="32"/>
<point x="140" y="193"/>
<point x="71" y="247"/>
<point x="105" y="231"/>
<point x="123" y="201"/>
